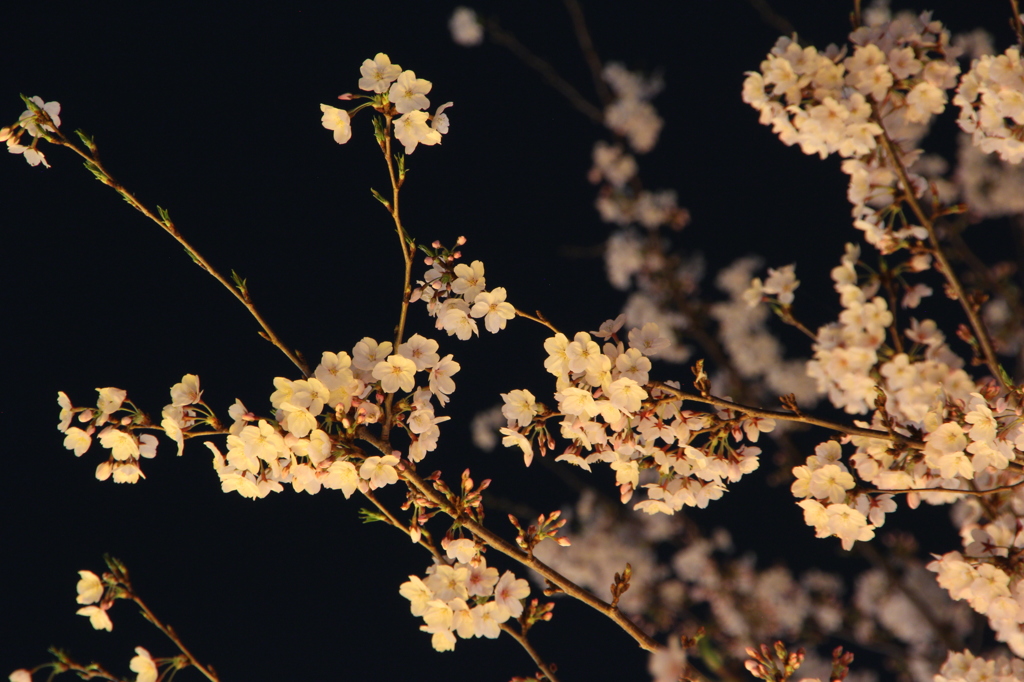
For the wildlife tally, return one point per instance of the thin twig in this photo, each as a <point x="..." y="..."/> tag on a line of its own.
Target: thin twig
<point x="773" y="18"/>
<point x="579" y="25"/>
<point x="793" y="417"/>
<point x="538" y="318"/>
<point x="168" y="226"/>
<point x="394" y="522"/>
<point x="980" y="333"/>
<point x="1015" y="21"/>
<point x="509" y="41"/>
<point x="979" y="493"/>
<point x="172" y="635"/>
<point x="525" y="643"/>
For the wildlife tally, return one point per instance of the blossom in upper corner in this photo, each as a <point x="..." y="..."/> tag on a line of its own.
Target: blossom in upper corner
<point x="337" y="120"/>
<point x="991" y="101"/>
<point x="378" y="73"/>
<point x="465" y="27"/>
<point x="412" y="129"/>
<point x="409" y="93"/>
<point x="144" y="665"/>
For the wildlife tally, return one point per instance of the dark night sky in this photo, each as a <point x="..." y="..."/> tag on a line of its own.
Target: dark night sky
<point x="213" y="114"/>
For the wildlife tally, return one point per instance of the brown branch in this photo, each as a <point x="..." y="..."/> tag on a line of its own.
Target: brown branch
<point x="579" y="25"/>
<point x="792" y="417"/>
<point x="104" y="176"/>
<point x="525" y="643"/>
<point x="495" y="541"/>
<point x="980" y="333"/>
<point x="538" y="318"/>
<point x="509" y="41"/>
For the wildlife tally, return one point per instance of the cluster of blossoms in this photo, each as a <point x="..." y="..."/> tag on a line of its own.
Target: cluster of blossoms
<point x="631" y="115"/>
<point x="465" y="597"/>
<point x="969" y="437"/>
<point x="612" y="413"/>
<point x="846" y="351"/>
<point x="893" y="84"/>
<point x="991" y="101"/>
<point x="965" y="667"/>
<point x="117" y="434"/>
<point x="40" y="116"/>
<point x="755" y="353"/>
<point x="986" y="573"/>
<point x="678" y="571"/>
<point x="304" y="443"/>
<point x="456" y="294"/>
<point x="396" y="92"/>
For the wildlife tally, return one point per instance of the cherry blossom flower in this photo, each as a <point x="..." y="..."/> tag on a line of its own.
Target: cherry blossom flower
<point x="122" y="445"/>
<point x="379" y="471"/>
<point x="77" y="440"/>
<point x="491" y="306"/>
<point x="378" y="73"/>
<point x="109" y="401"/>
<point x="144" y="665"/>
<point x="342" y="476"/>
<point x="782" y="283"/>
<point x="462" y="549"/>
<point x="337" y="120"/>
<point x="97" y="616"/>
<point x="648" y="340"/>
<point x="412" y="129"/>
<point x="439" y="121"/>
<point x="441" y="383"/>
<point x="515" y="439"/>
<point x="395" y="373"/>
<point x="469" y="280"/>
<point x="520" y="406"/>
<point x="90" y="588"/>
<point x="421" y="350"/>
<point x="409" y="93"/>
<point x="465" y="27"/>
<point x="510" y="591"/>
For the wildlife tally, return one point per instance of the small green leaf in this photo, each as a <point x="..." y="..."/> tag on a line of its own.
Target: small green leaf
<point x="94" y="169"/>
<point x="86" y="140"/>
<point x="239" y="283"/>
<point x="377" y="195"/>
<point x="165" y="217"/>
<point x="369" y="516"/>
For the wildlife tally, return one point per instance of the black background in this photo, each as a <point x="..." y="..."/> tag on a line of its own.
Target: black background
<point x="212" y="112"/>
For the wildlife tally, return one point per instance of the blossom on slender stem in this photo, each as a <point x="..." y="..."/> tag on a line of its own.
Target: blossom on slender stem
<point x="90" y="588"/>
<point x="144" y="665"/>
<point x="378" y="73"/>
<point x="409" y="93"/>
<point x="337" y="120"/>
